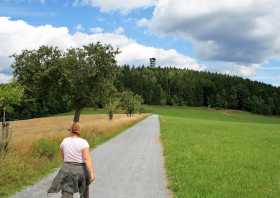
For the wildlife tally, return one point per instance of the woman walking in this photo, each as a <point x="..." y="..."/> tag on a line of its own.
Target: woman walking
<point x="77" y="171"/>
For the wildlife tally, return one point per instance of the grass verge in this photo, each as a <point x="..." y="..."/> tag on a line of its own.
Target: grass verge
<point x="220" y="154"/>
<point x="34" y="152"/>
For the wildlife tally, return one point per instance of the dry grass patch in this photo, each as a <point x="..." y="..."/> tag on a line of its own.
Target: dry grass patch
<point x="34" y="150"/>
<point x="26" y="132"/>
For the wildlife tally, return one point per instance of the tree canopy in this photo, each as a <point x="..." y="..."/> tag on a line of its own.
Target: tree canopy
<point x="172" y="86"/>
<point x="10" y="94"/>
<point x="56" y="81"/>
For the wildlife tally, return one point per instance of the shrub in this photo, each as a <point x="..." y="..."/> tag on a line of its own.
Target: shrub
<point x="45" y="148"/>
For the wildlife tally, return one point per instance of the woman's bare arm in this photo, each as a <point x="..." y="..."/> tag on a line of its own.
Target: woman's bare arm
<point x="89" y="164"/>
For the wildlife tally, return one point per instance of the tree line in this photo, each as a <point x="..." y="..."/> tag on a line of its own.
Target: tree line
<point x="172" y="86"/>
<point x="55" y="81"/>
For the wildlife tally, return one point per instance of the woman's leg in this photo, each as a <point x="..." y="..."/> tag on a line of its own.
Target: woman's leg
<point x="67" y="195"/>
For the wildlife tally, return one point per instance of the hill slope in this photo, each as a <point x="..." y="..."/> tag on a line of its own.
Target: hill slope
<point x="220" y="153"/>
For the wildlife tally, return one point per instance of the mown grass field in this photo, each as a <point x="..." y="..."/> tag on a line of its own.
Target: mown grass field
<point x="220" y="153"/>
<point x="34" y="150"/>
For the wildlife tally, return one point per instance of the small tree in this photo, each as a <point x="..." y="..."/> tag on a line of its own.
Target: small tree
<point x="10" y="94"/>
<point x="111" y="99"/>
<point x="131" y="102"/>
<point x="112" y="106"/>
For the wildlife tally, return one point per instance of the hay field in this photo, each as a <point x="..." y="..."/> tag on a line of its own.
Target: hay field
<point x="26" y="132"/>
<point x="22" y="165"/>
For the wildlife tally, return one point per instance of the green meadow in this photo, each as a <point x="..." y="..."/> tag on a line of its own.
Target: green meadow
<point x="220" y="153"/>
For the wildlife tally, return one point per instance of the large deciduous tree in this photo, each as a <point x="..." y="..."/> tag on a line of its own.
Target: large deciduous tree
<point x="42" y="74"/>
<point x="56" y="80"/>
<point x="89" y="70"/>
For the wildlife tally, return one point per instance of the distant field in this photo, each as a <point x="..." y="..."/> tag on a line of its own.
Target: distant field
<point x="22" y="166"/>
<point x="29" y="131"/>
<point x="220" y="153"/>
<point x="87" y="111"/>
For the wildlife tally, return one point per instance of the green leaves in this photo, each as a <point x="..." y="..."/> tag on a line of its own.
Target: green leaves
<point x="10" y="94"/>
<point x="131" y="102"/>
<point x="55" y="81"/>
<point x="89" y="69"/>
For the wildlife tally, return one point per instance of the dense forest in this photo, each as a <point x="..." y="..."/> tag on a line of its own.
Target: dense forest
<point x="55" y="81"/>
<point x="171" y="86"/>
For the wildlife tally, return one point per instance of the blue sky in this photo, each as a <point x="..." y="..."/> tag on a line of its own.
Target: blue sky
<point x="238" y="37"/>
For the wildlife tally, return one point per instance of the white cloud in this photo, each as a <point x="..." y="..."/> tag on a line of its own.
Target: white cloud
<point x="143" y="22"/>
<point x="5" y="62"/>
<point x="121" y="5"/>
<point x="12" y="33"/>
<point x="96" y="30"/>
<point x="137" y="54"/>
<point x="18" y="35"/>
<point x="79" y="28"/>
<point x="4" y="78"/>
<point x="240" y="32"/>
<point x="119" y="30"/>
<point x="246" y="70"/>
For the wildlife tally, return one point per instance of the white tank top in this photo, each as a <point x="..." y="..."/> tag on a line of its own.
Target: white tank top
<point x="72" y="149"/>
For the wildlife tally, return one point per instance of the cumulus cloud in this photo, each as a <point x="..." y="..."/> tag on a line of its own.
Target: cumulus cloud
<point x="121" y="5"/>
<point x="243" y="32"/>
<point x="96" y="30"/>
<point x="79" y="27"/>
<point x="119" y="30"/>
<point x="135" y="53"/>
<point x="143" y="22"/>
<point x="4" y="78"/>
<point x="245" y="70"/>
<point x="12" y="33"/>
<point x="241" y="70"/>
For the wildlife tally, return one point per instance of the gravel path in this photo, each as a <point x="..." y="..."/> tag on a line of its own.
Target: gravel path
<point x="127" y="166"/>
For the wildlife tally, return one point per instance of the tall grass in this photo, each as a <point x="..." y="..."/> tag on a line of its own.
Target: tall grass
<point x="26" y="162"/>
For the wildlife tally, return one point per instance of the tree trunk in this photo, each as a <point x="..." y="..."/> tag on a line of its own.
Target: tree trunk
<point x="3" y="128"/>
<point x="5" y="137"/>
<point x="4" y="117"/>
<point x="111" y="115"/>
<point x="77" y="115"/>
